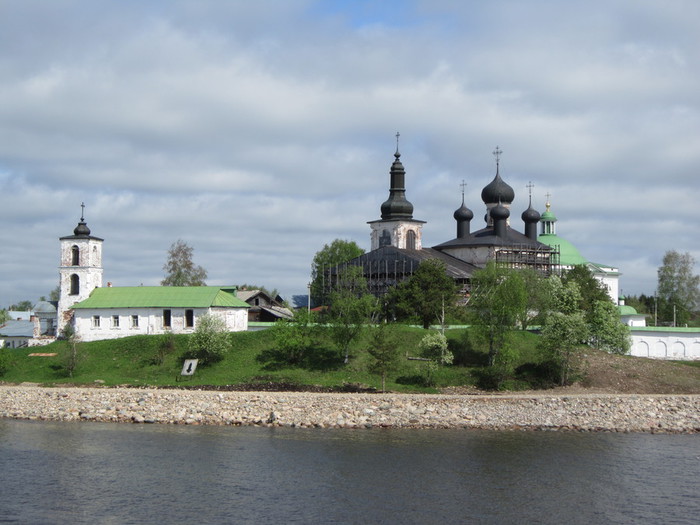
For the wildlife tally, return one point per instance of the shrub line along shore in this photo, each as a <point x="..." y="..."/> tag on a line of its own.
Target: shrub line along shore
<point x="580" y="412"/>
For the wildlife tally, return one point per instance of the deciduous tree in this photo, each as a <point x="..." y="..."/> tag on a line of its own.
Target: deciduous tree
<point x="180" y="270"/>
<point x="383" y="351"/>
<point x="424" y="295"/>
<point x="497" y="296"/>
<point x="607" y="331"/>
<point x="351" y="309"/>
<point x="337" y="252"/>
<point x="677" y="287"/>
<point x="563" y="336"/>
<point x="590" y="288"/>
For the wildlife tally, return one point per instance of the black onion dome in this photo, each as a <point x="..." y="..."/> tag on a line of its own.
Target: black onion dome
<point x="497" y="191"/>
<point x="499" y="212"/>
<point x="531" y="215"/>
<point x="463" y="213"/>
<point x="396" y="206"/>
<point x="82" y="229"/>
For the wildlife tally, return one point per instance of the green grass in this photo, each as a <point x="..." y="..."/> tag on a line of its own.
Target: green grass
<point x="132" y="361"/>
<point x="689" y="363"/>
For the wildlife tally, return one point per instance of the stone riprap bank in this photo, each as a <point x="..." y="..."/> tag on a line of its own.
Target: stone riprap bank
<point x="587" y="412"/>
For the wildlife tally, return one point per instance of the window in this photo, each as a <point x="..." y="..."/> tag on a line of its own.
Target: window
<point x="167" y="319"/>
<point x="115" y="321"/>
<point x="134" y="321"/>
<point x="75" y="256"/>
<point x="95" y="321"/>
<point x="74" y="284"/>
<point x="411" y="240"/>
<point x="189" y="318"/>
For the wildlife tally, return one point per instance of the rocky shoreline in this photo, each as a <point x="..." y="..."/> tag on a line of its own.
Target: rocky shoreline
<point x="582" y="412"/>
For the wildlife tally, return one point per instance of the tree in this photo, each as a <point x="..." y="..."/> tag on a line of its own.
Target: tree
<point x="72" y="357"/>
<point x="677" y="287"/>
<point x="497" y="296"/>
<point x="538" y="293"/>
<point x="210" y="340"/>
<point x="335" y="253"/>
<point x="293" y="338"/>
<point x="22" y="306"/>
<point x="351" y="309"/>
<point x="179" y="268"/>
<point x="607" y="331"/>
<point x="383" y="351"/>
<point x="563" y="335"/>
<point x="55" y="294"/>
<point x="425" y="294"/>
<point x="590" y="288"/>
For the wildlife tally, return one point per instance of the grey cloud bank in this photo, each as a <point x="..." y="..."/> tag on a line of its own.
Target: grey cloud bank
<point x="257" y="133"/>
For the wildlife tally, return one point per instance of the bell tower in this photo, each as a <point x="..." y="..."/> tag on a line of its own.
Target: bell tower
<point x="80" y="268"/>
<point x="397" y="227"/>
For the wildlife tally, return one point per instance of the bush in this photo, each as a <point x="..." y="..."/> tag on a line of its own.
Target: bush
<point x="4" y="361"/>
<point x="165" y="347"/>
<point x="434" y="347"/>
<point x="210" y="340"/>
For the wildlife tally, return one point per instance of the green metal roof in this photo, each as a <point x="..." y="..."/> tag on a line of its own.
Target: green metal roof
<point x="626" y="310"/>
<point x="162" y="297"/>
<point x="685" y="329"/>
<point x="568" y="253"/>
<point x="548" y="216"/>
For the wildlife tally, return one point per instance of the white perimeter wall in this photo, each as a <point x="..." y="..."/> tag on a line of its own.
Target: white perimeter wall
<point x="666" y="344"/>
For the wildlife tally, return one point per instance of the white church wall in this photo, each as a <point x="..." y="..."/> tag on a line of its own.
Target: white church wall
<point x="398" y="232"/>
<point x="112" y="323"/>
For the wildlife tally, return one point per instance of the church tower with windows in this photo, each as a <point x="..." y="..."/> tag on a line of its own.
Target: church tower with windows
<point x="397" y="227"/>
<point x="80" y="269"/>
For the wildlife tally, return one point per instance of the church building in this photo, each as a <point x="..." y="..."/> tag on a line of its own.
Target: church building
<point x="397" y="245"/>
<point x="96" y="312"/>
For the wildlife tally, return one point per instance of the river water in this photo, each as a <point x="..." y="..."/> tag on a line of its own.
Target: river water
<point x="58" y="472"/>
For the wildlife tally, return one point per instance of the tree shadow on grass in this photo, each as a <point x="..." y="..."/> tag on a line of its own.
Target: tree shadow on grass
<point x="465" y="352"/>
<point x="412" y="380"/>
<point x="315" y="358"/>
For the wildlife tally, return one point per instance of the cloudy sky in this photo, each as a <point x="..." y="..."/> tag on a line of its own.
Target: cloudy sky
<point x="259" y="131"/>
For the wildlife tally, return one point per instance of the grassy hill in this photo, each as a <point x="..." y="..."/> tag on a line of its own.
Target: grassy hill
<point x="250" y="364"/>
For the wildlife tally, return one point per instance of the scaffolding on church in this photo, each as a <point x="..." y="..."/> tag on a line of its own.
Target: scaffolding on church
<point x="383" y="271"/>
<point x="543" y="259"/>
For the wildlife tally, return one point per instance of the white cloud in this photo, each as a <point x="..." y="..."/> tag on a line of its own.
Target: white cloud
<point x="258" y="131"/>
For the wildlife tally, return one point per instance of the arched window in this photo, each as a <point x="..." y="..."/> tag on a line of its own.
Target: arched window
<point x="411" y="240"/>
<point x="75" y="256"/>
<point x="74" y="284"/>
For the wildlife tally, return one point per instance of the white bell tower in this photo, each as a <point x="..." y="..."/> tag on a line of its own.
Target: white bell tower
<point x="80" y="269"/>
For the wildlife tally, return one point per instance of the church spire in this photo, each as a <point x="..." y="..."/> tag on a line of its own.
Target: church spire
<point x="463" y="216"/>
<point x="82" y="230"/>
<point x="548" y="219"/>
<point x="396" y="206"/>
<point x="530" y="216"/>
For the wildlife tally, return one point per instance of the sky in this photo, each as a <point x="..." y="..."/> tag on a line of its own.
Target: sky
<point x="257" y="132"/>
